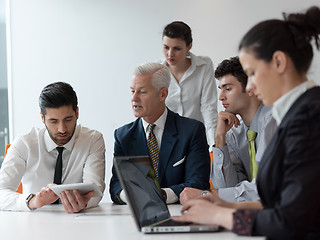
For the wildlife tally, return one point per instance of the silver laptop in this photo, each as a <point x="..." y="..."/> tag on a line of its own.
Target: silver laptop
<point x="145" y="199"/>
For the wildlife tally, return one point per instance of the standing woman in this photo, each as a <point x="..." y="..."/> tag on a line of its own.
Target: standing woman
<point x="192" y="90"/>
<point x="276" y="56"/>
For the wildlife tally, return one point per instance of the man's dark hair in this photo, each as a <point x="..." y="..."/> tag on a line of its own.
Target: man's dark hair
<point x="56" y="95"/>
<point x="232" y="66"/>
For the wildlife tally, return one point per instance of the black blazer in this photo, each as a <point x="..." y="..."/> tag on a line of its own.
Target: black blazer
<point x="183" y="141"/>
<point x="289" y="174"/>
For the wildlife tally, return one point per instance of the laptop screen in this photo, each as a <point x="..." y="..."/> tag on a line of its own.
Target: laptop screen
<point x="143" y="196"/>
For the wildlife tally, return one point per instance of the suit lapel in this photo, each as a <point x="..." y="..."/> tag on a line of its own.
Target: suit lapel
<point x="293" y="111"/>
<point x="167" y="143"/>
<point x="139" y="143"/>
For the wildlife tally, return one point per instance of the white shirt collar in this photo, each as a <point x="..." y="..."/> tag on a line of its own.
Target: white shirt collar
<point x="283" y="104"/>
<point x="161" y="121"/>
<point x="196" y="61"/>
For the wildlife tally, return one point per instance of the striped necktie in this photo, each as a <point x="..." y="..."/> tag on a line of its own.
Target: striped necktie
<point x="153" y="148"/>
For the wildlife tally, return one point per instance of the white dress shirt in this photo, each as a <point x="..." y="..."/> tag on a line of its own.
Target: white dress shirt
<point x="158" y="132"/>
<point x="234" y="158"/>
<point x="195" y="96"/>
<point x="284" y="103"/>
<point x="31" y="159"/>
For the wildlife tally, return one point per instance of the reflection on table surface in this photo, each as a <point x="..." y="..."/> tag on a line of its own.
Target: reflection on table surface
<point x="107" y="221"/>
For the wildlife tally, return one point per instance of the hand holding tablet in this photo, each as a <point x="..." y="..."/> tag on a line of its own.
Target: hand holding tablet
<point x="83" y="188"/>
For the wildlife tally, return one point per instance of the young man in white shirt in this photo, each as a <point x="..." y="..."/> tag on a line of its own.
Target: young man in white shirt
<point x="230" y="170"/>
<point x="32" y="158"/>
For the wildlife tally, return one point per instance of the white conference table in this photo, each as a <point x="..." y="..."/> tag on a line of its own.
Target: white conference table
<point x="107" y="221"/>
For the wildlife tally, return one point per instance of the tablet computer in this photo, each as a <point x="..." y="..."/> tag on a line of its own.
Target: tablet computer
<point x="83" y="188"/>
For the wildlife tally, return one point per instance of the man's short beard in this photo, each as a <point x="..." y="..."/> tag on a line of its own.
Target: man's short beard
<point x="64" y="141"/>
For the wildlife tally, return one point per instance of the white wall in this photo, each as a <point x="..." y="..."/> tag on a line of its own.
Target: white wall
<point x="94" y="44"/>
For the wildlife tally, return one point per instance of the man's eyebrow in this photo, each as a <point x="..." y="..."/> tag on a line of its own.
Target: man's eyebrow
<point x="55" y="119"/>
<point x="139" y="88"/>
<point x="71" y="116"/>
<point x="224" y="85"/>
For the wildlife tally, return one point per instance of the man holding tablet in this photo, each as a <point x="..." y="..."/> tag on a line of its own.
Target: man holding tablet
<point x="62" y="152"/>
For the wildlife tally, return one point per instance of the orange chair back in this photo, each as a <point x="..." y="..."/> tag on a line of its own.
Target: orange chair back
<point x="19" y="190"/>
<point x="211" y="160"/>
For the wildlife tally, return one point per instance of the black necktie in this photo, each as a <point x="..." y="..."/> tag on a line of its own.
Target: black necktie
<point x="58" y="170"/>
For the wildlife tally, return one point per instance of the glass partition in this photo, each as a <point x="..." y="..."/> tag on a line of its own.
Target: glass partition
<point x="4" y="110"/>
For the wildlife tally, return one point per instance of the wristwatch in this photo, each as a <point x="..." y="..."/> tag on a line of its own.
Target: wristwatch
<point x="31" y="195"/>
<point x="204" y="192"/>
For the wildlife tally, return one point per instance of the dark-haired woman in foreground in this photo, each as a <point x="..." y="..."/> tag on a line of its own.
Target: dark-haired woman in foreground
<point x="276" y="56"/>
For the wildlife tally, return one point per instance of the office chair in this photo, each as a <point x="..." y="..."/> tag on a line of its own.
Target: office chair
<point x="20" y="189"/>
<point x="211" y="160"/>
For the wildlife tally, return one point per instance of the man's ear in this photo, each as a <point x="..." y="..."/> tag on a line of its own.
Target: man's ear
<point x="163" y="93"/>
<point x="280" y="61"/>
<point x="42" y="116"/>
<point x="77" y="113"/>
<point x="250" y="93"/>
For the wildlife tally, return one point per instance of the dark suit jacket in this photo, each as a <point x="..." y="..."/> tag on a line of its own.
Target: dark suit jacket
<point x="289" y="174"/>
<point x="182" y="138"/>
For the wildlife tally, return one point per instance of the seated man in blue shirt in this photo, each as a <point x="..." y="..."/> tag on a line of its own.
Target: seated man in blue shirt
<point x="179" y="150"/>
<point x="233" y="172"/>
